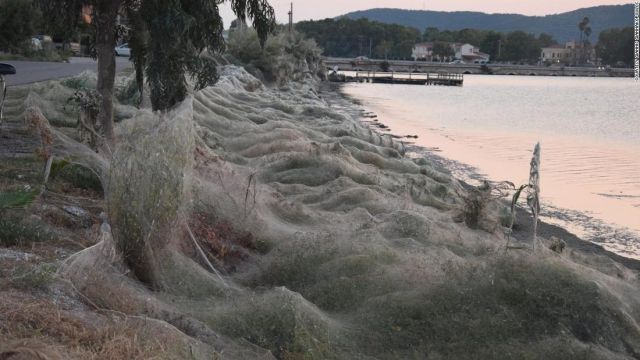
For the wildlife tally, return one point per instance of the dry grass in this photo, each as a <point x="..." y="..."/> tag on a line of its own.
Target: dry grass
<point x="36" y="328"/>
<point x="224" y="245"/>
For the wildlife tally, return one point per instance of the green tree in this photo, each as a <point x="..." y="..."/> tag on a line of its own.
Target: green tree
<point x="545" y="40"/>
<point x="442" y="51"/>
<point x="350" y="38"/>
<point x="446" y="36"/>
<point x="470" y="36"/>
<point x="382" y="49"/>
<point x="19" y="20"/>
<point x="492" y="44"/>
<point x="520" y="46"/>
<point x="585" y="32"/>
<point x="430" y="34"/>
<point x="616" y="46"/>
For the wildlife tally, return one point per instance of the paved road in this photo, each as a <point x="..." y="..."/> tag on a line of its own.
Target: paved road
<point x="34" y="71"/>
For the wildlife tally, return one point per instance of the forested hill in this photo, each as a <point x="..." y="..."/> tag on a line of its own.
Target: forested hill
<point x="562" y="26"/>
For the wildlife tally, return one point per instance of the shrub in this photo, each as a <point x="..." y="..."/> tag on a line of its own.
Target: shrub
<point x="76" y="83"/>
<point x="557" y="245"/>
<point x="145" y="186"/>
<point x="285" y="57"/>
<point x="37" y="277"/>
<point x="77" y="175"/>
<point x="128" y="94"/>
<point x="20" y="198"/>
<point x="510" y="301"/>
<point x="16" y="231"/>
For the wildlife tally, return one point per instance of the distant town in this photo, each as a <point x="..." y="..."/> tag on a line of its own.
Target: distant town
<point x="358" y="38"/>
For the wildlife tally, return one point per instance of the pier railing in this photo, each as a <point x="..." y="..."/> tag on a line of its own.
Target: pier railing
<point x="411" y="78"/>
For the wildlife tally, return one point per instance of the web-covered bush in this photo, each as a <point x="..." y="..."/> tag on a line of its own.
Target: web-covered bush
<point x="285" y="57"/>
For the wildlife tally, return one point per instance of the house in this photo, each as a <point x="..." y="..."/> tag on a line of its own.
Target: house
<point x="465" y="52"/>
<point x="422" y="51"/>
<point x="470" y="54"/>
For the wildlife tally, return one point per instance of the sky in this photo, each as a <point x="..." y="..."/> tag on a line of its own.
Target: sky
<point x="320" y="9"/>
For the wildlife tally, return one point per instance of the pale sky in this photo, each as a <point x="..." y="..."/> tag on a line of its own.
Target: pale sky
<point x="320" y="9"/>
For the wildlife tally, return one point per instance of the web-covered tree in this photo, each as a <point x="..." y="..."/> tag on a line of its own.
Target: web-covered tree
<point x="67" y="13"/>
<point x="169" y="37"/>
<point x="181" y="37"/>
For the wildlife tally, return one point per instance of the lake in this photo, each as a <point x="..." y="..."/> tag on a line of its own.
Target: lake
<point x="588" y="128"/>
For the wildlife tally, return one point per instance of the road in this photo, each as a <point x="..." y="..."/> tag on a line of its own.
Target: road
<point x="33" y="71"/>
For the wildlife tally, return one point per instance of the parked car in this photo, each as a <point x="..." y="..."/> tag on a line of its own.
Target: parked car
<point x="43" y="38"/>
<point x="36" y="44"/>
<point x="123" y="50"/>
<point x="457" y="61"/>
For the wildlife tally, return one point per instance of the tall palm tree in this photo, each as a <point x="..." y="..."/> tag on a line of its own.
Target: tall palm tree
<point x="585" y="32"/>
<point x="587" y="44"/>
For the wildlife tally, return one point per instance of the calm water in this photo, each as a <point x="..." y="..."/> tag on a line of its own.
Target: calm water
<point x="589" y="130"/>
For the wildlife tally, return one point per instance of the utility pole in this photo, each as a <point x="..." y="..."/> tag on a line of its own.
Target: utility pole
<point x="370" y="46"/>
<point x="291" y="19"/>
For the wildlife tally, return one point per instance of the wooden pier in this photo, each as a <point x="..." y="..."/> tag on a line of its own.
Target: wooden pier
<point x="444" y="79"/>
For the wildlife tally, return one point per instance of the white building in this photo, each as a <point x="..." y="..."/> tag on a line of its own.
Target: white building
<point x="465" y="52"/>
<point x="470" y="54"/>
<point x="422" y="51"/>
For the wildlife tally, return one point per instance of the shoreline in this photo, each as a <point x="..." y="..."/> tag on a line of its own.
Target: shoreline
<point x="523" y="218"/>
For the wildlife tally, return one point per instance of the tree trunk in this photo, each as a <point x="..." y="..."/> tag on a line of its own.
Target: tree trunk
<point x="106" y="15"/>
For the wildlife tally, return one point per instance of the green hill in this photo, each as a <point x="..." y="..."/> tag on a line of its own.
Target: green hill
<point x="562" y="26"/>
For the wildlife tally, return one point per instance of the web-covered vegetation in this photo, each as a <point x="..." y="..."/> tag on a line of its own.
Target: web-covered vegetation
<point x="269" y="223"/>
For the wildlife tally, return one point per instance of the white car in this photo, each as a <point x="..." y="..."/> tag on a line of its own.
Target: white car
<point x="123" y="50"/>
<point x="36" y="44"/>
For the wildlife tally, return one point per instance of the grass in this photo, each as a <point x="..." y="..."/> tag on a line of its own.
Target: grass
<point x="280" y="321"/>
<point x="16" y="230"/>
<point x="76" y="83"/>
<point x="33" y="277"/>
<point x="128" y="94"/>
<point x="21" y="198"/>
<point x="21" y="170"/>
<point x="508" y="303"/>
<point x="40" y="323"/>
<point x="80" y="177"/>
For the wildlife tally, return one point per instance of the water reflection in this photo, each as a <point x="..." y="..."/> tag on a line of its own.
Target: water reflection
<point x="589" y="129"/>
